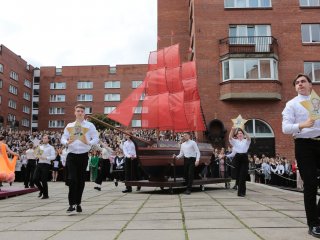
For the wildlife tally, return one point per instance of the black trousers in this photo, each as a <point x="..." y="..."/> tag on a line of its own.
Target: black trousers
<point x="76" y="172"/>
<point x="41" y="176"/>
<point x="189" y="171"/>
<point x="241" y="165"/>
<point x="102" y="172"/>
<point x="307" y="152"/>
<point x="131" y="170"/>
<point x="29" y="172"/>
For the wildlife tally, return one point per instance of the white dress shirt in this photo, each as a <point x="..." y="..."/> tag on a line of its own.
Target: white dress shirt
<point x="293" y="114"/>
<point x="78" y="146"/>
<point x="129" y="149"/>
<point x="189" y="149"/>
<point x="48" y="152"/>
<point x="106" y="152"/>
<point x="240" y="146"/>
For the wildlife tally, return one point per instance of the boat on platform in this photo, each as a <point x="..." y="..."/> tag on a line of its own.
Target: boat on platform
<point x="169" y="101"/>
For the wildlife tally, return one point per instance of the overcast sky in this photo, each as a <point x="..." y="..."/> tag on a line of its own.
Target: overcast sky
<point x="79" y="32"/>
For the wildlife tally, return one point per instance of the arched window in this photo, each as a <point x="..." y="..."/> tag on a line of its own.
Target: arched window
<point x="258" y="129"/>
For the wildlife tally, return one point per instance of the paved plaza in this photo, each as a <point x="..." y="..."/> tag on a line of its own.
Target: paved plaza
<point x="217" y="213"/>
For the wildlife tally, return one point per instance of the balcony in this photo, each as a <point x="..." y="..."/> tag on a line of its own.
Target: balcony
<point x="244" y="47"/>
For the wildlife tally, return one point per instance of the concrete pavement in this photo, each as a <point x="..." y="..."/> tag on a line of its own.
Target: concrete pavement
<point x="217" y="213"/>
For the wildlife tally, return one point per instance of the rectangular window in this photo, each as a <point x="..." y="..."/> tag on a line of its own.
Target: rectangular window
<point x="14" y="75"/>
<point x="57" y="98"/>
<point x="26" y="109"/>
<point x="25" y="122"/>
<point x="112" y="84"/>
<point x="312" y="69"/>
<point x="12" y="104"/>
<point x="137" y="110"/>
<point x="112" y="97"/>
<point x="1" y="83"/>
<point x="310" y="33"/>
<point x="88" y="110"/>
<point x="13" y="90"/>
<point x="56" y="124"/>
<point x="84" y="85"/>
<point x="85" y="98"/>
<point x="1" y="68"/>
<point x="247" y="3"/>
<point x="136" y="84"/>
<point x="0" y="99"/>
<point x="113" y="70"/>
<point x="246" y="69"/>
<point x="11" y="117"/>
<point x="27" y="83"/>
<point x="56" y="111"/>
<point x="309" y="3"/>
<point x="58" y="85"/>
<point x="108" y="110"/>
<point x="58" y="71"/>
<point x="136" y="123"/>
<point x="26" y="96"/>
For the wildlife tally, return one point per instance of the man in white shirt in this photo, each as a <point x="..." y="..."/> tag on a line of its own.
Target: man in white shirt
<point x="103" y="165"/>
<point x="190" y="151"/>
<point x="306" y="133"/>
<point x="131" y="164"/>
<point x="78" y="136"/>
<point x="41" y="173"/>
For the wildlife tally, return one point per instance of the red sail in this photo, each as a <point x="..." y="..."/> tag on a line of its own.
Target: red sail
<point x="172" y="100"/>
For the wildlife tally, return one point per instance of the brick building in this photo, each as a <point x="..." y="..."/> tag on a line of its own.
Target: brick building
<point x="99" y="88"/>
<point x="247" y="53"/>
<point x="15" y="90"/>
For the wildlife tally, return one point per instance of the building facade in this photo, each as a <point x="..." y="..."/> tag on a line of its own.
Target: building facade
<point x="247" y="54"/>
<point x="15" y="90"/>
<point x="100" y="88"/>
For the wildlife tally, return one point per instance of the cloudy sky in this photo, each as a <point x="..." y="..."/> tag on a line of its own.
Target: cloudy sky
<point x="79" y="32"/>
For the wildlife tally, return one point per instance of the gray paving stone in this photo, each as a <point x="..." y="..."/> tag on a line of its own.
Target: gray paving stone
<point x="272" y="222"/>
<point x="155" y="224"/>
<point x="222" y="234"/>
<point x="153" y="234"/>
<point x="85" y="235"/>
<point x="213" y="223"/>
<point x="22" y="235"/>
<point x="284" y="233"/>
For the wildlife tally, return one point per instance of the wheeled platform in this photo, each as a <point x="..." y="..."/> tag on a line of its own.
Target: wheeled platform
<point x="171" y="183"/>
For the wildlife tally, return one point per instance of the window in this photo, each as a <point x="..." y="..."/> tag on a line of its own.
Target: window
<point x="85" y="97"/>
<point x="110" y="97"/>
<point x="312" y="69"/>
<point x="85" y="85"/>
<point x="0" y="99"/>
<point x="58" y="85"/>
<point x="113" y="70"/>
<point x="25" y="122"/>
<point x="136" y="84"/>
<point x="1" y="68"/>
<point x="112" y="84"/>
<point x="26" y="109"/>
<point x="26" y="96"/>
<point x="310" y="33"/>
<point x="309" y="3"/>
<point x="108" y="110"/>
<point x="247" y="3"/>
<point x="88" y="110"/>
<point x="11" y="117"/>
<point x="137" y="110"/>
<point x="27" y="83"/>
<point x="13" y="90"/>
<point x="1" y="83"/>
<point x="136" y="123"/>
<point x="12" y="104"/>
<point x="258" y="129"/>
<point x="250" y="69"/>
<point x="14" y="75"/>
<point x="57" y="98"/>
<point x="56" y="110"/>
<point x="58" y="71"/>
<point x="56" y="124"/>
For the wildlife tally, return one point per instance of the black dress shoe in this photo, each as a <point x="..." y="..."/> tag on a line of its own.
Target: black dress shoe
<point x="40" y="194"/>
<point x="241" y="195"/>
<point x="314" y="231"/>
<point x="187" y="192"/>
<point x="97" y="188"/>
<point x="138" y="188"/>
<point x="78" y="209"/>
<point x="45" y="197"/>
<point x="127" y="191"/>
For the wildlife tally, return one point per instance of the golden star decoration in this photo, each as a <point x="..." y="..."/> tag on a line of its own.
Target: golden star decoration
<point x="78" y="132"/>
<point x="312" y="105"/>
<point x="38" y="152"/>
<point x="239" y="122"/>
